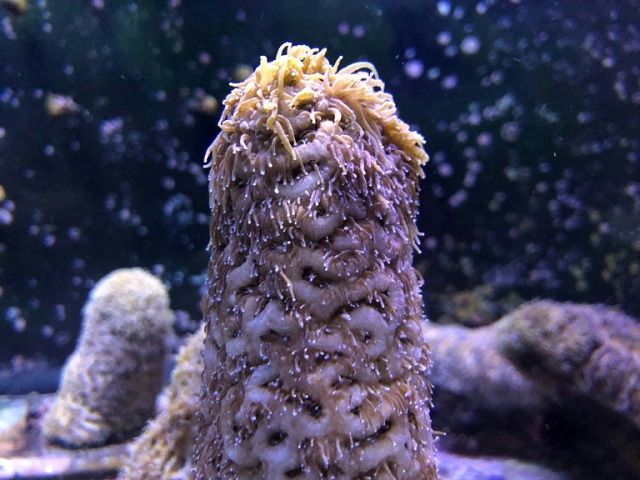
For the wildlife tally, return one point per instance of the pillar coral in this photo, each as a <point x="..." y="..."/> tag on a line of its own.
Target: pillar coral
<point x="314" y="364"/>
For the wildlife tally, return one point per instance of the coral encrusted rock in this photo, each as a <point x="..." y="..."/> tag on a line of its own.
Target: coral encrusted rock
<point x="110" y="382"/>
<point x="314" y="364"/>
<point x="469" y="366"/>
<point x="570" y="348"/>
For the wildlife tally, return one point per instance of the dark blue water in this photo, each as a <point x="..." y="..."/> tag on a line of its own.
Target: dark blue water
<point x="530" y="110"/>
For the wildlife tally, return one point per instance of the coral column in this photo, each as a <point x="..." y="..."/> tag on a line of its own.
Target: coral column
<point x="315" y="364"/>
<point x="110" y="382"/>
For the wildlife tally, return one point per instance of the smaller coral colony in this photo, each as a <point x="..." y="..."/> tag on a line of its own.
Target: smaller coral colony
<point x="313" y="355"/>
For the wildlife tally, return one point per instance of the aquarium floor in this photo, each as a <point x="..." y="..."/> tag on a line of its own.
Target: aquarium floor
<point x="25" y="454"/>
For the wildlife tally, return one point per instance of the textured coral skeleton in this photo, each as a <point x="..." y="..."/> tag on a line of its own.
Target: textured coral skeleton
<point x="314" y="363"/>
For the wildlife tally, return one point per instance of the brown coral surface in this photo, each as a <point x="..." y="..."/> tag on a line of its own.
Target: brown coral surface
<point x="589" y="349"/>
<point x="469" y="365"/>
<point x="314" y="358"/>
<point x="162" y="451"/>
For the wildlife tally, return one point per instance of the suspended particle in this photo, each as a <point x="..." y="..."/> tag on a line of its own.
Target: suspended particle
<point x="414" y="68"/>
<point x="510" y="131"/>
<point x="449" y="82"/>
<point x="56" y="105"/>
<point x="358" y="31"/>
<point x="444" y="8"/>
<point x="15" y="7"/>
<point x="241" y="72"/>
<point x="443" y="38"/>
<point x="470" y="45"/>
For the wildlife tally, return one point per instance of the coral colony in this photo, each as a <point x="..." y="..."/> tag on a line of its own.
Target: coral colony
<point x="572" y="348"/>
<point x="110" y="383"/>
<point x="314" y="363"/>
